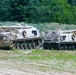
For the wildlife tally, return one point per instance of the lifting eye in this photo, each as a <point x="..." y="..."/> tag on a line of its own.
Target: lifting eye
<point x="24" y="33"/>
<point x="73" y="37"/>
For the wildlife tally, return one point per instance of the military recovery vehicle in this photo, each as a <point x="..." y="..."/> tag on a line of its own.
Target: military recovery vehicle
<point x="19" y="37"/>
<point x="59" y="39"/>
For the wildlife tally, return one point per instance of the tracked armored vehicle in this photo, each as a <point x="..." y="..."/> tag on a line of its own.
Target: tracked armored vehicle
<point x="19" y="37"/>
<point x="60" y="39"/>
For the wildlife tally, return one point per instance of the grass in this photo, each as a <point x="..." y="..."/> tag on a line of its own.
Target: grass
<point x="39" y="54"/>
<point x="51" y="54"/>
<point x="43" y="60"/>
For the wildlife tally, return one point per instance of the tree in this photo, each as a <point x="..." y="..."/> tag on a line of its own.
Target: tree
<point x="4" y="10"/>
<point x="35" y="11"/>
<point x="17" y="10"/>
<point x="72" y="2"/>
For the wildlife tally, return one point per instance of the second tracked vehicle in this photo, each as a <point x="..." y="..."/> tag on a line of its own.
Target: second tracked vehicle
<point x="60" y="39"/>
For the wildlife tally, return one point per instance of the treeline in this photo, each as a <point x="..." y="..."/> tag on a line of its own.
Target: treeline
<point x="35" y="11"/>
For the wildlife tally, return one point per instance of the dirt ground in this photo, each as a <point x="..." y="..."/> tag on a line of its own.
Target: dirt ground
<point x="6" y="71"/>
<point x="16" y="67"/>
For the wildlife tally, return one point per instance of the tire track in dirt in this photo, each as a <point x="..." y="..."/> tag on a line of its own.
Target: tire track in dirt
<point x="4" y="71"/>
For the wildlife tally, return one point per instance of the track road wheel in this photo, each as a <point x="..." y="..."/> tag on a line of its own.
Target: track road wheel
<point x="65" y="47"/>
<point x="14" y="47"/>
<point x="30" y="45"/>
<point x="73" y="47"/>
<point x="25" y="46"/>
<point x="34" y="45"/>
<point x="62" y="48"/>
<point x="18" y="46"/>
<point x="69" y="47"/>
<point x="22" y="46"/>
<point x="39" y="42"/>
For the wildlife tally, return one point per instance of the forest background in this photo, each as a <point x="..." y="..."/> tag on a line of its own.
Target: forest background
<point x="38" y="11"/>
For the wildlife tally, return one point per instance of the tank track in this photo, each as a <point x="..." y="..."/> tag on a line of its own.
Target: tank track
<point x="59" y="46"/>
<point x="26" y="45"/>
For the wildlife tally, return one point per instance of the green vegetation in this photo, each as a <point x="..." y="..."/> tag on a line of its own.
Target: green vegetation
<point x="43" y="60"/>
<point x="38" y="11"/>
<point x="40" y="55"/>
<point x="43" y="26"/>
